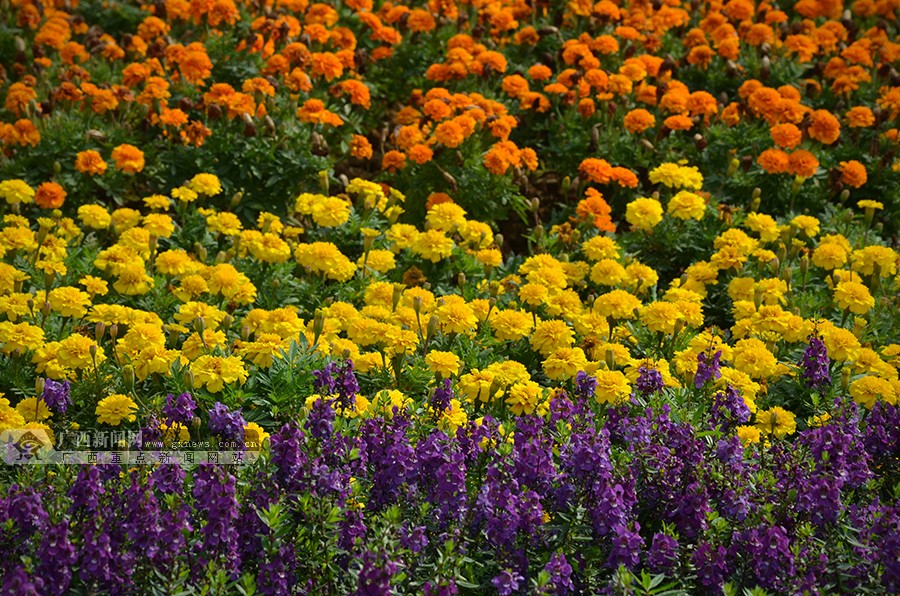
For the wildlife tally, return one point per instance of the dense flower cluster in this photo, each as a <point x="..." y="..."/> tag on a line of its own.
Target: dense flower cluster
<point x="512" y="297"/>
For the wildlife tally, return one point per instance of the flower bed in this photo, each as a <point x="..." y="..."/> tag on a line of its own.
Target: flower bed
<point x="450" y="319"/>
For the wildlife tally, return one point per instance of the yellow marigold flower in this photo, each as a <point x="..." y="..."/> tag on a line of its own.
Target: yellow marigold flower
<point x="533" y="294"/>
<point x="445" y="217"/>
<point x="687" y="205"/>
<point x="660" y="317"/>
<point x="617" y="304"/>
<point x="330" y="212"/>
<point x="16" y="191"/>
<point x="677" y="176"/>
<point x="748" y="434"/>
<point x="608" y="272"/>
<point x="807" y="224"/>
<point x="445" y="364"/>
<point x="564" y="363"/>
<point x="94" y="216"/>
<point x="550" y="336"/>
<point x="254" y="436"/>
<point x="190" y="287"/>
<point x="75" y="352"/>
<point x="867" y="390"/>
<point x="870" y="204"/>
<point x="157" y="202"/>
<point x="204" y="184"/>
<point x="378" y="260"/>
<point x="69" y="301"/>
<point x="94" y="286"/>
<point x="19" y="336"/>
<point x="115" y="408"/>
<point x="453" y="417"/>
<point x="853" y="296"/>
<point x="264" y="349"/>
<point x="776" y="421"/>
<point x="476" y="233"/>
<point x="477" y="384"/>
<point x="175" y="262"/>
<point x="754" y="358"/>
<point x="214" y="372"/>
<point x="184" y="194"/>
<point x="456" y="317"/>
<point x="9" y="417"/>
<point x="511" y="325"/>
<point x="33" y="409"/>
<point x="225" y="223"/>
<point x="490" y="257"/>
<point x="194" y="346"/>
<point x="508" y="372"/>
<point x="433" y="245"/>
<point x="522" y="398"/>
<point x="133" y="279"/>
<point x="764" y="225"/>
<point x="867" y="259"/>
<point x="644" y="213"/>
<point x="612" y="387"/>
<point x="600" y="247"/>
<point x="829" y="255"/>
<point x="159" y="224"/>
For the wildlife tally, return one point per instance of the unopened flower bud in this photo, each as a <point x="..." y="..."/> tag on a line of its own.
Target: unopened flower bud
<point x="432" y="327"/>
<point x="804" y="265"/>
<point x="99" y="330"/>
<point x="396" y="295"/>
<point x="45" y="310"/>
<point x="113" y="331"/>
<point x="845" y="379"/>
<point x="610" y="360"/>
<point x="245" y="333"/>
<point x="733" y="165"/>
<point x="189" y="380"/>
<point x="39" y="386"/>
<point x="199" y="325"/>
<point x="318" y="324"/>
<point x="128" y="377"/>
<point x="417" y="304"/>
<point x="236" y="199"/>
<point x="324" y="181"/>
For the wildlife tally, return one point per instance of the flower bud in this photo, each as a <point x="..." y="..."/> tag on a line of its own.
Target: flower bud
<point x="804" y="265"/>
<point x="45" y="310"/>
<point x="396" y="295"/>
<point x="128" y="378"/>
<point x="189" y="380"/>
<point x="733" y="165"/>
<point x="113" y="331"/>
<point x="432" y="327"/>
<point x="236" y="199"/>
<point x="324" y="181"/>
<point x="417" y="305"/>
<point x="39" y="386"/>
<point x="796" y="184"/>
<point x="318" y="324"/>
<point x="845" y="379"/>
<point x="245" y="333"/>
<point x="99" y="330"/>
<point x="610" y="359"/>
<point x="199" y="325"/>
<point x="461" y="279"/>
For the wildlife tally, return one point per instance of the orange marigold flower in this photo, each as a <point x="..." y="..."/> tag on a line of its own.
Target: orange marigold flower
<point x="420" y="153"/>
<point x="393" y="161"/>
<point x="586" y="107"/>
<point x="360" y="147"/>
<point x="597" y="170"/>
<point x="128" y="158"/>
<point x="853" y="173"/>
<point x="326" y="64"/>
<point x="860" y="117"/>
<point x="90" y="162"/>
<point x="449" y="134"/>
<point x="774" y="161"/>
<point x="678" y="123"/>
<point x="638" y="120"/>
<point x="50" y="195"/>
<point x="787" y="136"/>
<point x="824" y="127"/>
<point x="358" y="92"/>
<point x="802" y="163"/>
<point x="313" y="112"/>
<point x="539" y="72"/>
<point x="595" y="208"/>
<point x="624" y="177"/>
